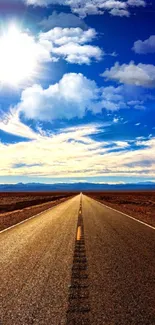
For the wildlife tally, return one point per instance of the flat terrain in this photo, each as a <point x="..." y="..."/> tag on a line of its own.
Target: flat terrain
<point x="16" y="207"/>
<point x="15" y="200"/>
<point x="140" y="205"/>
<point x="48" y="276"/>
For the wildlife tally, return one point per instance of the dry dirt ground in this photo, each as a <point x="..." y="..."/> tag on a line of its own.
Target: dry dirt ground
<point x="140" y="205"/>
<point x="16" y="207"/>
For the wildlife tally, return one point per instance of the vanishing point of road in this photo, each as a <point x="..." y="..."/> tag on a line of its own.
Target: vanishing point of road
<point x="78" y="263"/>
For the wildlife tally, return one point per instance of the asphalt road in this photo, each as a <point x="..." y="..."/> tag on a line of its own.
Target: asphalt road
<point x="121" y="263"/>
<point x="37" y="259"/>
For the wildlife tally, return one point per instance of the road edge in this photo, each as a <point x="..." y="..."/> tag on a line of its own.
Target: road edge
<point x="125" y="214"/>
<point x="32" y="217"/>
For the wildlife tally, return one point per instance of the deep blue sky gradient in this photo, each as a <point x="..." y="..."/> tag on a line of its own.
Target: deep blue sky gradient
<point x="115" y="34"/>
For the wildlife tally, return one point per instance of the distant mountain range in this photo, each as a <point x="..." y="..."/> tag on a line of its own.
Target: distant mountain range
<point x="41" y="187"/>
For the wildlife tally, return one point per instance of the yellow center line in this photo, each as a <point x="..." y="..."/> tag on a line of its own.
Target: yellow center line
<point x="78" y="236"/>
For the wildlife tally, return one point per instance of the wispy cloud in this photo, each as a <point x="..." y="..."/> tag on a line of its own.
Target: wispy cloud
<point x="73" y="152"/>
<point x="11" y="123"/>
<point x="63" y="20"/>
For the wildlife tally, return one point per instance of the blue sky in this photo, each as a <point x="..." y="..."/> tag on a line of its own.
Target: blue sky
<point x="77" y="91"/>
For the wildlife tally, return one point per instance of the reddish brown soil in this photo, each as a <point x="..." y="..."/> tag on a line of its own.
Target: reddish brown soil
<point x="140" y="205"/>
<point x="17" y="201"/>
<point x="16" y="207"/>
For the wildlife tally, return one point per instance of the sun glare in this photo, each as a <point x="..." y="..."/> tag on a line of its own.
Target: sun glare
<point x="17" y="56"/>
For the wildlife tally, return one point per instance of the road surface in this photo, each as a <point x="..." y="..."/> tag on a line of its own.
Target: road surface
<point x="115" y="258"/>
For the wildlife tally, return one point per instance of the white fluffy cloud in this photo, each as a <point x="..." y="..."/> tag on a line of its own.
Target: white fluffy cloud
<point x="144" y="47"/>
<point x="92" y="7"/>
<point x="69" y="98"/>
<point x="71" y="44"/>
<point x="60" y="36"/>
<point x="138" y="75"/>
<point x="22" y="54"/>
<point x="136" y="3"/>
<point x="111" y="4"/>
<point x="120" y="13"/>
<point x="116" y="8"/>
<point x="75" y="53"/>
<point x="72" y="97"/>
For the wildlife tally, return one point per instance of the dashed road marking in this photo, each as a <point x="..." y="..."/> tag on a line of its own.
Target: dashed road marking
<point x="78" y="302"/>
<point x="78" y="237"/>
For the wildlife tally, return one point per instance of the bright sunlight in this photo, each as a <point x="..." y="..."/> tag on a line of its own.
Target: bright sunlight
<point x="18" y="56"/>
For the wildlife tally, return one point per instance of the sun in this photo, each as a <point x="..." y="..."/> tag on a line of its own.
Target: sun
<point x="18" y="56"/>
